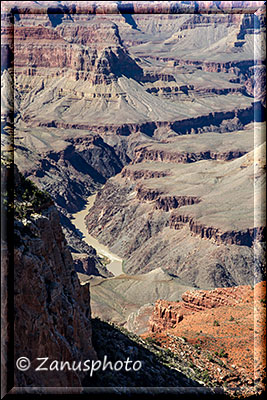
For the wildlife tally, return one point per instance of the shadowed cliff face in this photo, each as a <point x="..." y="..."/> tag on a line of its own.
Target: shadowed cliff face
<point x="51" y="309"/>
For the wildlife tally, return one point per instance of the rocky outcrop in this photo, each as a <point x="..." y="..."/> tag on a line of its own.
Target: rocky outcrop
<point x="149" y="154"/>
<point x="209" y="122"/>
<point x="90" y="266"/>
<point x="51" y="309"/>
<point x="142" y="173"/>
<point x="190" y="228"/>
<point x="206" y="328"/>
<point x="81" y="165"/>
<point x="168" y="314"/>
<point x="256" y="83"/>
<point x="163" y="202"/>
<point x="242" y="238"/>
<point x="171" y="91"/>
<point x="93" y="52"/>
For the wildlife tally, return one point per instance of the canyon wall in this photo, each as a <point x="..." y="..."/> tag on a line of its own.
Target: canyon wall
<point x="51" y="309"/>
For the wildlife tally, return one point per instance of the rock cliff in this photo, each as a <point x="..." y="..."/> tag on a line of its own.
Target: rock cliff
<point x="221" y="331"/>
<point x="162" y="214"/>
<point x="169" y="314"/>
<point x="51" y="309"/>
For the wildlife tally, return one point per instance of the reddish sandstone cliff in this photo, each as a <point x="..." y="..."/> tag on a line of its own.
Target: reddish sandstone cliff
<point x="221" y="331"/>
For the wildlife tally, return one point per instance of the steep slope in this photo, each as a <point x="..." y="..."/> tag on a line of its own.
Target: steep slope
<point x="224" y="327"/>
<point x="114" y="299"/>
<point x="52" y="316"/>
<point x="195" y="220"/>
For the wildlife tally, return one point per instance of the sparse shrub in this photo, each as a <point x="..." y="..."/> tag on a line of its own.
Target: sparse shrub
<point x="210" y="358"/>
<point x="222" y="353"/>
<point x="221" y="363"/>
<point x="191" y="365"/>
<point x="168" y="352"/>
<point x="216" y="323"/>
<point x="231" y="318"/>
<point x="205" y="376"/>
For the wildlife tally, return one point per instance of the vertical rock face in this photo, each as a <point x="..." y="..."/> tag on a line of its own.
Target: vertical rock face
<point x="51" y="309"/>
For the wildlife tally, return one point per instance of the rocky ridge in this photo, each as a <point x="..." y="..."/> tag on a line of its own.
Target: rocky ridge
<point x="145" y="192"/>
<point x="222" y="327"/>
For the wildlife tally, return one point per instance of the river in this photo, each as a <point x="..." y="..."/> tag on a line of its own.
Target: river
<point x="115" y="265"/>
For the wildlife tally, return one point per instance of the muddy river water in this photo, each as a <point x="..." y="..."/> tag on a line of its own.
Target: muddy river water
<point x="115" y="265"/>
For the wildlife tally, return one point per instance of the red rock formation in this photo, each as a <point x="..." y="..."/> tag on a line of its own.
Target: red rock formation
<point x="221" y="331"/>
<point x="167" y="314"/>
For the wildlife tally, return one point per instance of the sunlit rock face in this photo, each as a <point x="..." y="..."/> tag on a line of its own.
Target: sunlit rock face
<point x="167" y="99"/>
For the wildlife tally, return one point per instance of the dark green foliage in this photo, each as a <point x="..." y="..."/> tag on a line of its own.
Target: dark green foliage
<point x="28" y="198"/>
<point x="221" y="353"/>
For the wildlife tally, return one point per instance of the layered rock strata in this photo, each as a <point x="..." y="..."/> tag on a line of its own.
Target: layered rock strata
<point x="158" y="214"/>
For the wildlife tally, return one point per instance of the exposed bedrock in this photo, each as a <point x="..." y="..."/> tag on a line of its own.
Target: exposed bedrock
<point x="176" y="90"/>
<point x="93" y="52"/>
<point x="145" y="174"/>
<point x="143" y="237"/>
<point x="163" y="202"/>
<point x="52" y="315"/>
<point x="167" y="314"/>
<point x="72" y="173"/>
<point x="147" y="154"/>
<point x="242" y="238"/>
<point x="184" y="126"/>
<point x="88" y="265"/>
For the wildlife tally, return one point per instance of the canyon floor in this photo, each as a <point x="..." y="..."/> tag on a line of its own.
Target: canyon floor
<point x="156" y="114"/>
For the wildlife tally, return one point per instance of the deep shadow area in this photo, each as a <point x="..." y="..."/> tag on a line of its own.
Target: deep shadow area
<point x="55" y="16"/>
<point x="115" y="344"/>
